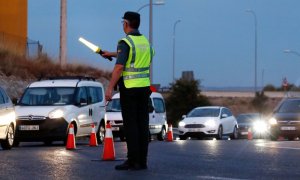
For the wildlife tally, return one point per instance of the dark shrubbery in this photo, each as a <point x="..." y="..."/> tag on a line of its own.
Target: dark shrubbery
<point x="184" y="96"/>
<point x="259" y="101"/>
<point x="20" y="66"/>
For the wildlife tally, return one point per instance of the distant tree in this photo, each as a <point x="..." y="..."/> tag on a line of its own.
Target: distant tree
<point x="269" y="87"/>
<point x="259" y="101"/>
<point x="184" y="96"/>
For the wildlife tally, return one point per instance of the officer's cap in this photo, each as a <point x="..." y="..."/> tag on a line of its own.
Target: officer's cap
<point x="132" y="16"/>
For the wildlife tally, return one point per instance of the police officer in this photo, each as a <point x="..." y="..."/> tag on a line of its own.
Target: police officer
<point x="132" y="74"/>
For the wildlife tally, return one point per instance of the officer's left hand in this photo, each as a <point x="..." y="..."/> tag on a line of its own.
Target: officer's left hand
<point x="108" y="94"/>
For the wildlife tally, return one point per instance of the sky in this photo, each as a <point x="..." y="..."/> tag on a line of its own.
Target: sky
<point x="215" y="38"/>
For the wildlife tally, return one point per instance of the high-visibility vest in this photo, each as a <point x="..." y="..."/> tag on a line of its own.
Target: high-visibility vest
<point x="136" y="72"/>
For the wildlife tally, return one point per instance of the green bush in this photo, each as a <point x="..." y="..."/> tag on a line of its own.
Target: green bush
<point x="184" y="96"/>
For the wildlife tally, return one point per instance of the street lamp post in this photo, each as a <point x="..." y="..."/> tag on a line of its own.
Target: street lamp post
<point x="150" y="27"/>
<point x="174" y="28"/>
<point x="255" y="50"/>
<point x="291" y="51"/>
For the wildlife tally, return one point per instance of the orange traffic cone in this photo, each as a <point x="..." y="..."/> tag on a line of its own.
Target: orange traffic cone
<point x="170" y="133"/>
<point x="71" y="139"/>
<point x="108" y="150"/>
<point x="93" y="137"/>
<point x="250" y="135"/>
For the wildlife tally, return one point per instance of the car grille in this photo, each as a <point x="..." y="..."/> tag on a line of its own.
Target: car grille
<point x="118" y="122"/>
<point x="31" y="118"/>
<point x="288" y="122"/>
<point x="194" y="126"/>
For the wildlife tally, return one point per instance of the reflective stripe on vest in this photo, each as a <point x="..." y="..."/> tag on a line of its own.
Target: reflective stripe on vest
<point x="137" y="68"/>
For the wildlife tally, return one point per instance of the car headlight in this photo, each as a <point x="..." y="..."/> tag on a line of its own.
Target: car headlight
<point x="272" y="121"/>
<point x="181" y="124"/>
<point x="210" y="123"/>
<point x="260" y="126"/>
<point x="56" y="114"/>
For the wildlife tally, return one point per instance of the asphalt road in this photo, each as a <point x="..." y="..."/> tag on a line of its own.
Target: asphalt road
<point x="190" y="159"/>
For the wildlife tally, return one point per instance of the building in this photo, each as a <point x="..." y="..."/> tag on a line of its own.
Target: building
<point x="13" y="25"/>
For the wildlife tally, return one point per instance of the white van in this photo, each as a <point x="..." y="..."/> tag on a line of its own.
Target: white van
<point x="48" y="107"/>
<point x="157" y="116"/>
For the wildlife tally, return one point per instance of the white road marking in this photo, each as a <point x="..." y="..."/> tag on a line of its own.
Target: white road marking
<point x="272" y="145"/>
<point x="217" y="178"/>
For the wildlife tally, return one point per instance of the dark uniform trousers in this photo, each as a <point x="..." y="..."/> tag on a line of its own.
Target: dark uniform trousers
<point x="135" y="113"/>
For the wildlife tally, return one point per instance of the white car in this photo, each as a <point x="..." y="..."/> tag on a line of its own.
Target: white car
<point x="7" y="121"/>
<point x="157" y="116"/>
<point x="48" y="107"/>
<point x="209" y="121"/>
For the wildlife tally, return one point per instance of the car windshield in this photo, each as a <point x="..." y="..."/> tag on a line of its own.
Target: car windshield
<point x="209" y="112"/>
<point x="290" y="106"/>
<point x="48" y="96"/>
<point x="114" y="106"/>
<point x="247" y="118"/>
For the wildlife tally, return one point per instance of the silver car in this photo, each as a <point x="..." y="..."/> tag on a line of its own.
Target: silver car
<point x="7" y="121"/>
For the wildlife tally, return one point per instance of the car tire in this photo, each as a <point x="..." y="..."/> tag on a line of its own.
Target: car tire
<point x="101" y="133"/>
<point x="220" y="133"/>
<point x="162" y="135"/>
<point x="16" y="143"/>
<point x="8" y="142"/>
<point x="234" y="134"/>
<point x="182" y="137"/>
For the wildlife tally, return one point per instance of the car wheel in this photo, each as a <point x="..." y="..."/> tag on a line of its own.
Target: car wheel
<point x="220" y="133"/>
<point x="101" y="133"/>
<point x="162" y="135"/>
<point x="8" y="142"/>
<point x="234" y="134"/>
<point x="182" y="137"/>
<point x="16" y="143"/>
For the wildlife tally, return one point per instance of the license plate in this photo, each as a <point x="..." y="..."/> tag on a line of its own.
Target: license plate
<point x="195" y="130"/>
<point x="115" y="128"/>
<point x="288" y="128"/>
<point x="29" y="127"/>
<point x="244" y="133"/>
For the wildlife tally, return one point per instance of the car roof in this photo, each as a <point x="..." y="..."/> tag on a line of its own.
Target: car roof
<point x="64" y="83"/>
<point x="209" y="107"/>
<point x="153" y="95"/>
<point x="249" y="114"/>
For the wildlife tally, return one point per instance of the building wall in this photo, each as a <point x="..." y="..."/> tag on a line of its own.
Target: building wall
<point x="13" y="25"/>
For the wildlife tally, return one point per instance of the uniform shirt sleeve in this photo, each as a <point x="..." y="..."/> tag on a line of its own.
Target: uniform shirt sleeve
<point x="123" y="53"/>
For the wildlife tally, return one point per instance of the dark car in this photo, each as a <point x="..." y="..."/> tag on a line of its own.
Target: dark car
<point x="285" y="121"/>
<point x="253" y="122"/>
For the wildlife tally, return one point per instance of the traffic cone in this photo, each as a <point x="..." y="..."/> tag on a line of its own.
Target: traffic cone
<point x="93" y="137"/>
<point x="170" y="133"/>
<point x="250" y="135"/>
<point x="108" y="149"/>
<point x="71" y="139"/>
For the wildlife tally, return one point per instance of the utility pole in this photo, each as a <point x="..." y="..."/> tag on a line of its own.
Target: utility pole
<point x="150" y="36"/>
<point x="63" y="33"/>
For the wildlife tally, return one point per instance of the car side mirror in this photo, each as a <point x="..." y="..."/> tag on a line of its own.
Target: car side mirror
<point x="224" y="116"/>
<point x="15" y="101"/>
<point x="151" y="108"/>
<point x="183" y="116"/>
<point x="83" y="102"/>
